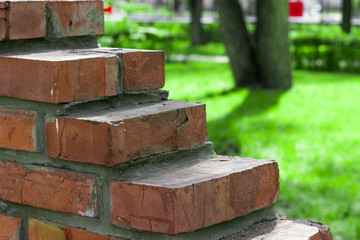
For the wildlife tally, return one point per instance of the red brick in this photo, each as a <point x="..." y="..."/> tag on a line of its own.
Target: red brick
<point x="141" y="69"/>
<point x="78" y="234"/>
<point x="39" y="230"/>
<point x="119" y="135"/>
<point x="75" y="18"/>
<point x="17" y="129"/>
<point x="4" y="5"/>
<point x="26" y="20"/>
<point x="45" y="231"/>
<point x="284" y="229"/>
<point x="3" y="28"/>
<point x="2" y="16"/>
<point x="10" y="227"/>
<point x="48" y="188"/>
<point x="178" y="197"/>
<point x="58" y="76"/>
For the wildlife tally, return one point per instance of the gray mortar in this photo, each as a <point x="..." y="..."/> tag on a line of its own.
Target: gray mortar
<point x="101" y="224"/>
<point x="105" y="174"/>
<point x="47" y="111"/>
<point x="30" y="45"/>
<point x="95" y="225"/>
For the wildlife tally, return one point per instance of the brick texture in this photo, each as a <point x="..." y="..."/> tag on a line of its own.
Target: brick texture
<point x="141" y="69"/>
<point x="51" y="19"/>
<point x="78" y="234"/>
<point x="10" y="227"/>
<point x="182" y="197"/>
<point x="120" y="135"/>
<point x="17" y="129"/>
<point x="2" y="26"/>
<point x="58" y="76"/>
<point x="48" y="188"/>
<point x="26" y="20"/>
<point x="45" y="231"/>
<point x="39" y="230"/>
<point x="76" y="18"/>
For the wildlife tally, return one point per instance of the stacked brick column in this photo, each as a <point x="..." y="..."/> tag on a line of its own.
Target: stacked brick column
<point x="90" y="148"/>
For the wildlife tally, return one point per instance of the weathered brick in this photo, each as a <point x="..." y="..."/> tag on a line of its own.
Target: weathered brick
<point x="4" y="5"/>
<point x="120" y="135"/>
<point x="17" y="129"/>
<point x="45" y="231"/>
<point x="2" y="29"/>
<point x="49" y="188"/>
<point x="74" y="18"/>
<point x="284" y="229"/>
<point x="186" y="196"/>
<point x="58" y="76"/>
<point x="2" y="16"/>
<point x="51" y="19"/>
<point x="141" y="69"/>
<point x="10" y="227"/>
<point x="78" y="234"/>
<point x="26" y="19"/>
<point x="39" y="230"/>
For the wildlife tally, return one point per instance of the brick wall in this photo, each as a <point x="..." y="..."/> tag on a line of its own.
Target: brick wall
<point x="91" y="148"/>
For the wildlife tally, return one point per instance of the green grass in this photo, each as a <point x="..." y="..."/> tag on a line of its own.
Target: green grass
<point x="311" y="130"/>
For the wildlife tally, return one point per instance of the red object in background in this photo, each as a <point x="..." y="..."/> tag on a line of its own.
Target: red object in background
<point x="296" y="9"/>
<point x="108" y="9"/>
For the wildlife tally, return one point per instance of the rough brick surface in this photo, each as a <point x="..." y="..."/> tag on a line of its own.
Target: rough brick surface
<point x="39" y="230"/>
<point x="78" y="234"/>
<point x="10" y="227"/>
<point x="26" y="19"/>
<point x="51" y="19"/>
<point x="141" y="69"/>
<point x="48" y="188"/>
<point x="123" y="134"/>
<point x="74" y="18"/>
<point x="17" y="129"/>
<point x="284" y="229"/>
<point x="58" y="76"/>
<point x="2" y="26"/>
<point x="45" y="231"/>
<point x="185" y="196"/>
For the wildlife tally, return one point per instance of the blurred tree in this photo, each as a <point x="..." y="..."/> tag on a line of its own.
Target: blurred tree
<point x="196" y="29"/>
<point x="237" y="42"/>
<point x="346" y="16"/>
<point x="264" y="60"/>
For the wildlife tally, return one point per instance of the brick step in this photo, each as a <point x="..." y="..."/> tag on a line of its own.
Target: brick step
<point x="124" y="134"/>
<point x="73" y="75"/>
<point x="49" y="188"/>
<point x="280" y="229"/>
<point x="183" y="196"/>
<point x="284" y="229"/>
<point x="11" y="229"/>
<point x="24" y="19"/>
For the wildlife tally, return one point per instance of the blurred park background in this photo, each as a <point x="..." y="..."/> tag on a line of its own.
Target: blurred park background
<point x="294" y="97"/>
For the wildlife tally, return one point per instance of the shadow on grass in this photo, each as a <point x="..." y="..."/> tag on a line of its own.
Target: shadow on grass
<point x="256" y="102"/>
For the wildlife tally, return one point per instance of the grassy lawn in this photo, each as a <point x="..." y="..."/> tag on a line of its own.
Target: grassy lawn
<point x="312" y="131"/>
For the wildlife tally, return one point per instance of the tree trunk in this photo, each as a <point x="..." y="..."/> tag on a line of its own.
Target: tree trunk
<point x="272" y="44"/>
<point x="237" y="42"/>
<point x="196" y="29"/>
<point x="346" y="16"/>
<point x="177" y="4"/>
